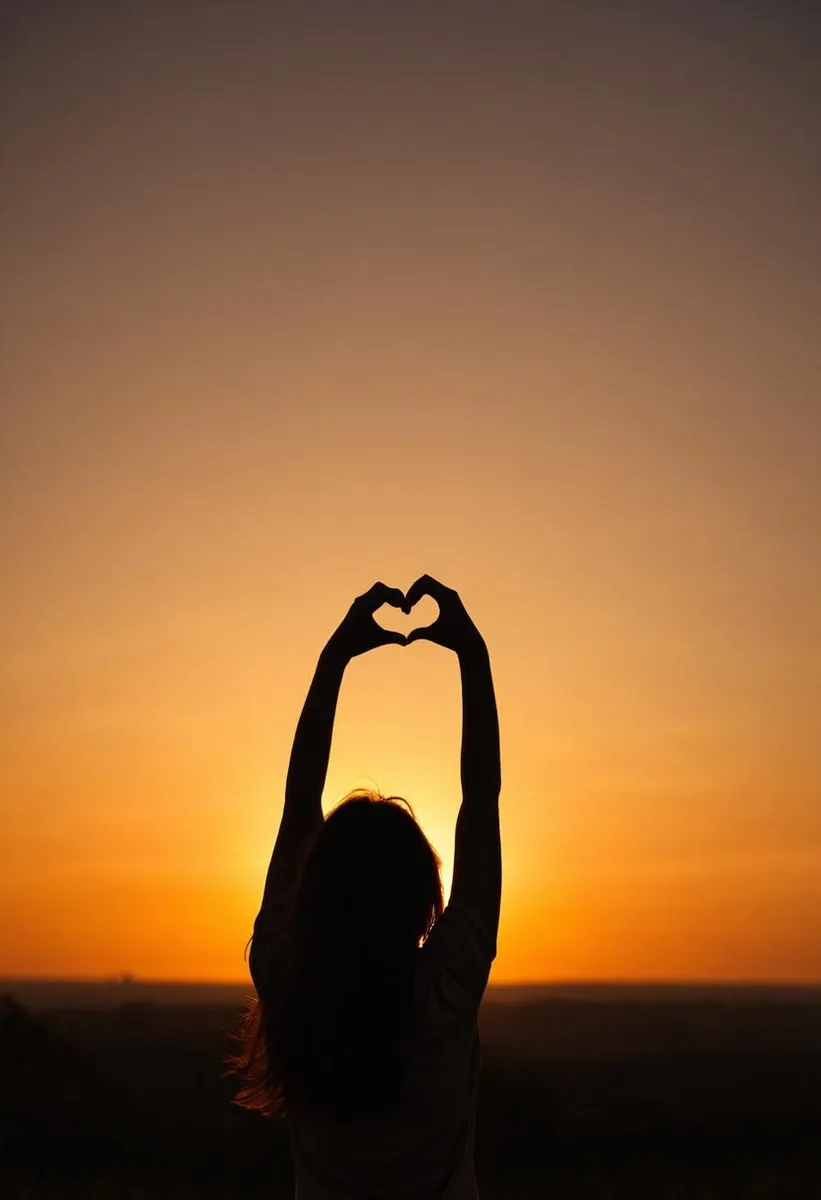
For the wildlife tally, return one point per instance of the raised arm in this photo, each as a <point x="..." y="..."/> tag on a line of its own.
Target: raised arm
<point x="477" y="871"/>
<point x="308" y="766"/>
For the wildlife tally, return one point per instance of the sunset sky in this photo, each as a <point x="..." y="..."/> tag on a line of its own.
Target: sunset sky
<point x="524" y="295"/>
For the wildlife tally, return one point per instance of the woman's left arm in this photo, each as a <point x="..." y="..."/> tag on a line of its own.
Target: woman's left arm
<point x="308" y="766"/>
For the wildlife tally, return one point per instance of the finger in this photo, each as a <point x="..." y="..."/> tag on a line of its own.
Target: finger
<point x="381" y="594"/>
<point x="395" y="596"/>
<point x="425" y="585"/>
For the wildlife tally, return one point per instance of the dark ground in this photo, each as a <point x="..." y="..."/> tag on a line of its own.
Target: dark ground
<point x="596" y="1094"/>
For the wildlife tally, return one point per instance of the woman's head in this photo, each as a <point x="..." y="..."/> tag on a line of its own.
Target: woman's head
<point x="371" y="873"/>
<point x="328" y="1032"/>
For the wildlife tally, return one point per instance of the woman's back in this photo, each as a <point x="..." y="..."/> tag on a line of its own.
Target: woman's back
<point x="422" y="1148"/>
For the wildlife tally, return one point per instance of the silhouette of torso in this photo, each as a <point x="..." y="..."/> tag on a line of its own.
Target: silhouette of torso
<point x="422" y="1149"/>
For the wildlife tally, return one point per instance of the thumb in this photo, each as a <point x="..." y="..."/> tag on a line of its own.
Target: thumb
<point x="391" y="637"/>
<point x="418" y="635"/>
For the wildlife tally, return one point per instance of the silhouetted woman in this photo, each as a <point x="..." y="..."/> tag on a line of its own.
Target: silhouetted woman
<point x="364" y="1034"/>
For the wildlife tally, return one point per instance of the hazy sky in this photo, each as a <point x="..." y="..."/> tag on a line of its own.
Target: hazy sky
<point x="525" y="295"/>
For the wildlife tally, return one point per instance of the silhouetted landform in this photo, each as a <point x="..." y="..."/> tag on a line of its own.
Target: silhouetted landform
<point x="40" y="995"/>
<point x="43" y="994"/>
<point x="602" y="1091"/>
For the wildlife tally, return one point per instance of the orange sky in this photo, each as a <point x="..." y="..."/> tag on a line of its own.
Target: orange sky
<point x="294" y="300"/>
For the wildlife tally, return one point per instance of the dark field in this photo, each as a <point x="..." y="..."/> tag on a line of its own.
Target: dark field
<point x="587" y="1092"/>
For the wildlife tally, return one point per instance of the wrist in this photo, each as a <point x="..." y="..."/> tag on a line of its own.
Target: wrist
<point x="472" y="649"/>
<point x="334" y="654"/>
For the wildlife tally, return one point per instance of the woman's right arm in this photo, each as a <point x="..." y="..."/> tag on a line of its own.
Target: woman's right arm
<point x="477" y="871"/>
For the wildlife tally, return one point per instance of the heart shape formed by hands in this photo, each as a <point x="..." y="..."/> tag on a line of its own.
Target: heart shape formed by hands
<point x="423" y="613"/>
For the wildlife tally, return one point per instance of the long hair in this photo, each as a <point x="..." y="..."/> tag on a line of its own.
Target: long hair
<point x="326" y="1031"/>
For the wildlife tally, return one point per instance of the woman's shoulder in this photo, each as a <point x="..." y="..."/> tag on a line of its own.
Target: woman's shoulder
<point x="457" y="956"/>
<point x="269" y="940"/>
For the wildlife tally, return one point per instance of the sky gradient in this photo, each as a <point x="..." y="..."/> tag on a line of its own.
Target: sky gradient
<point x="522" y="295"/>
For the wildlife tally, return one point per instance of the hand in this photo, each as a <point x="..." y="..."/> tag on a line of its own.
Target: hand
<point x="359" y="632"/>
<point x="453" y="627"/>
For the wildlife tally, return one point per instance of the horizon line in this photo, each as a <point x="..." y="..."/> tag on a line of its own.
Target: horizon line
<point x="126" y="979"/>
